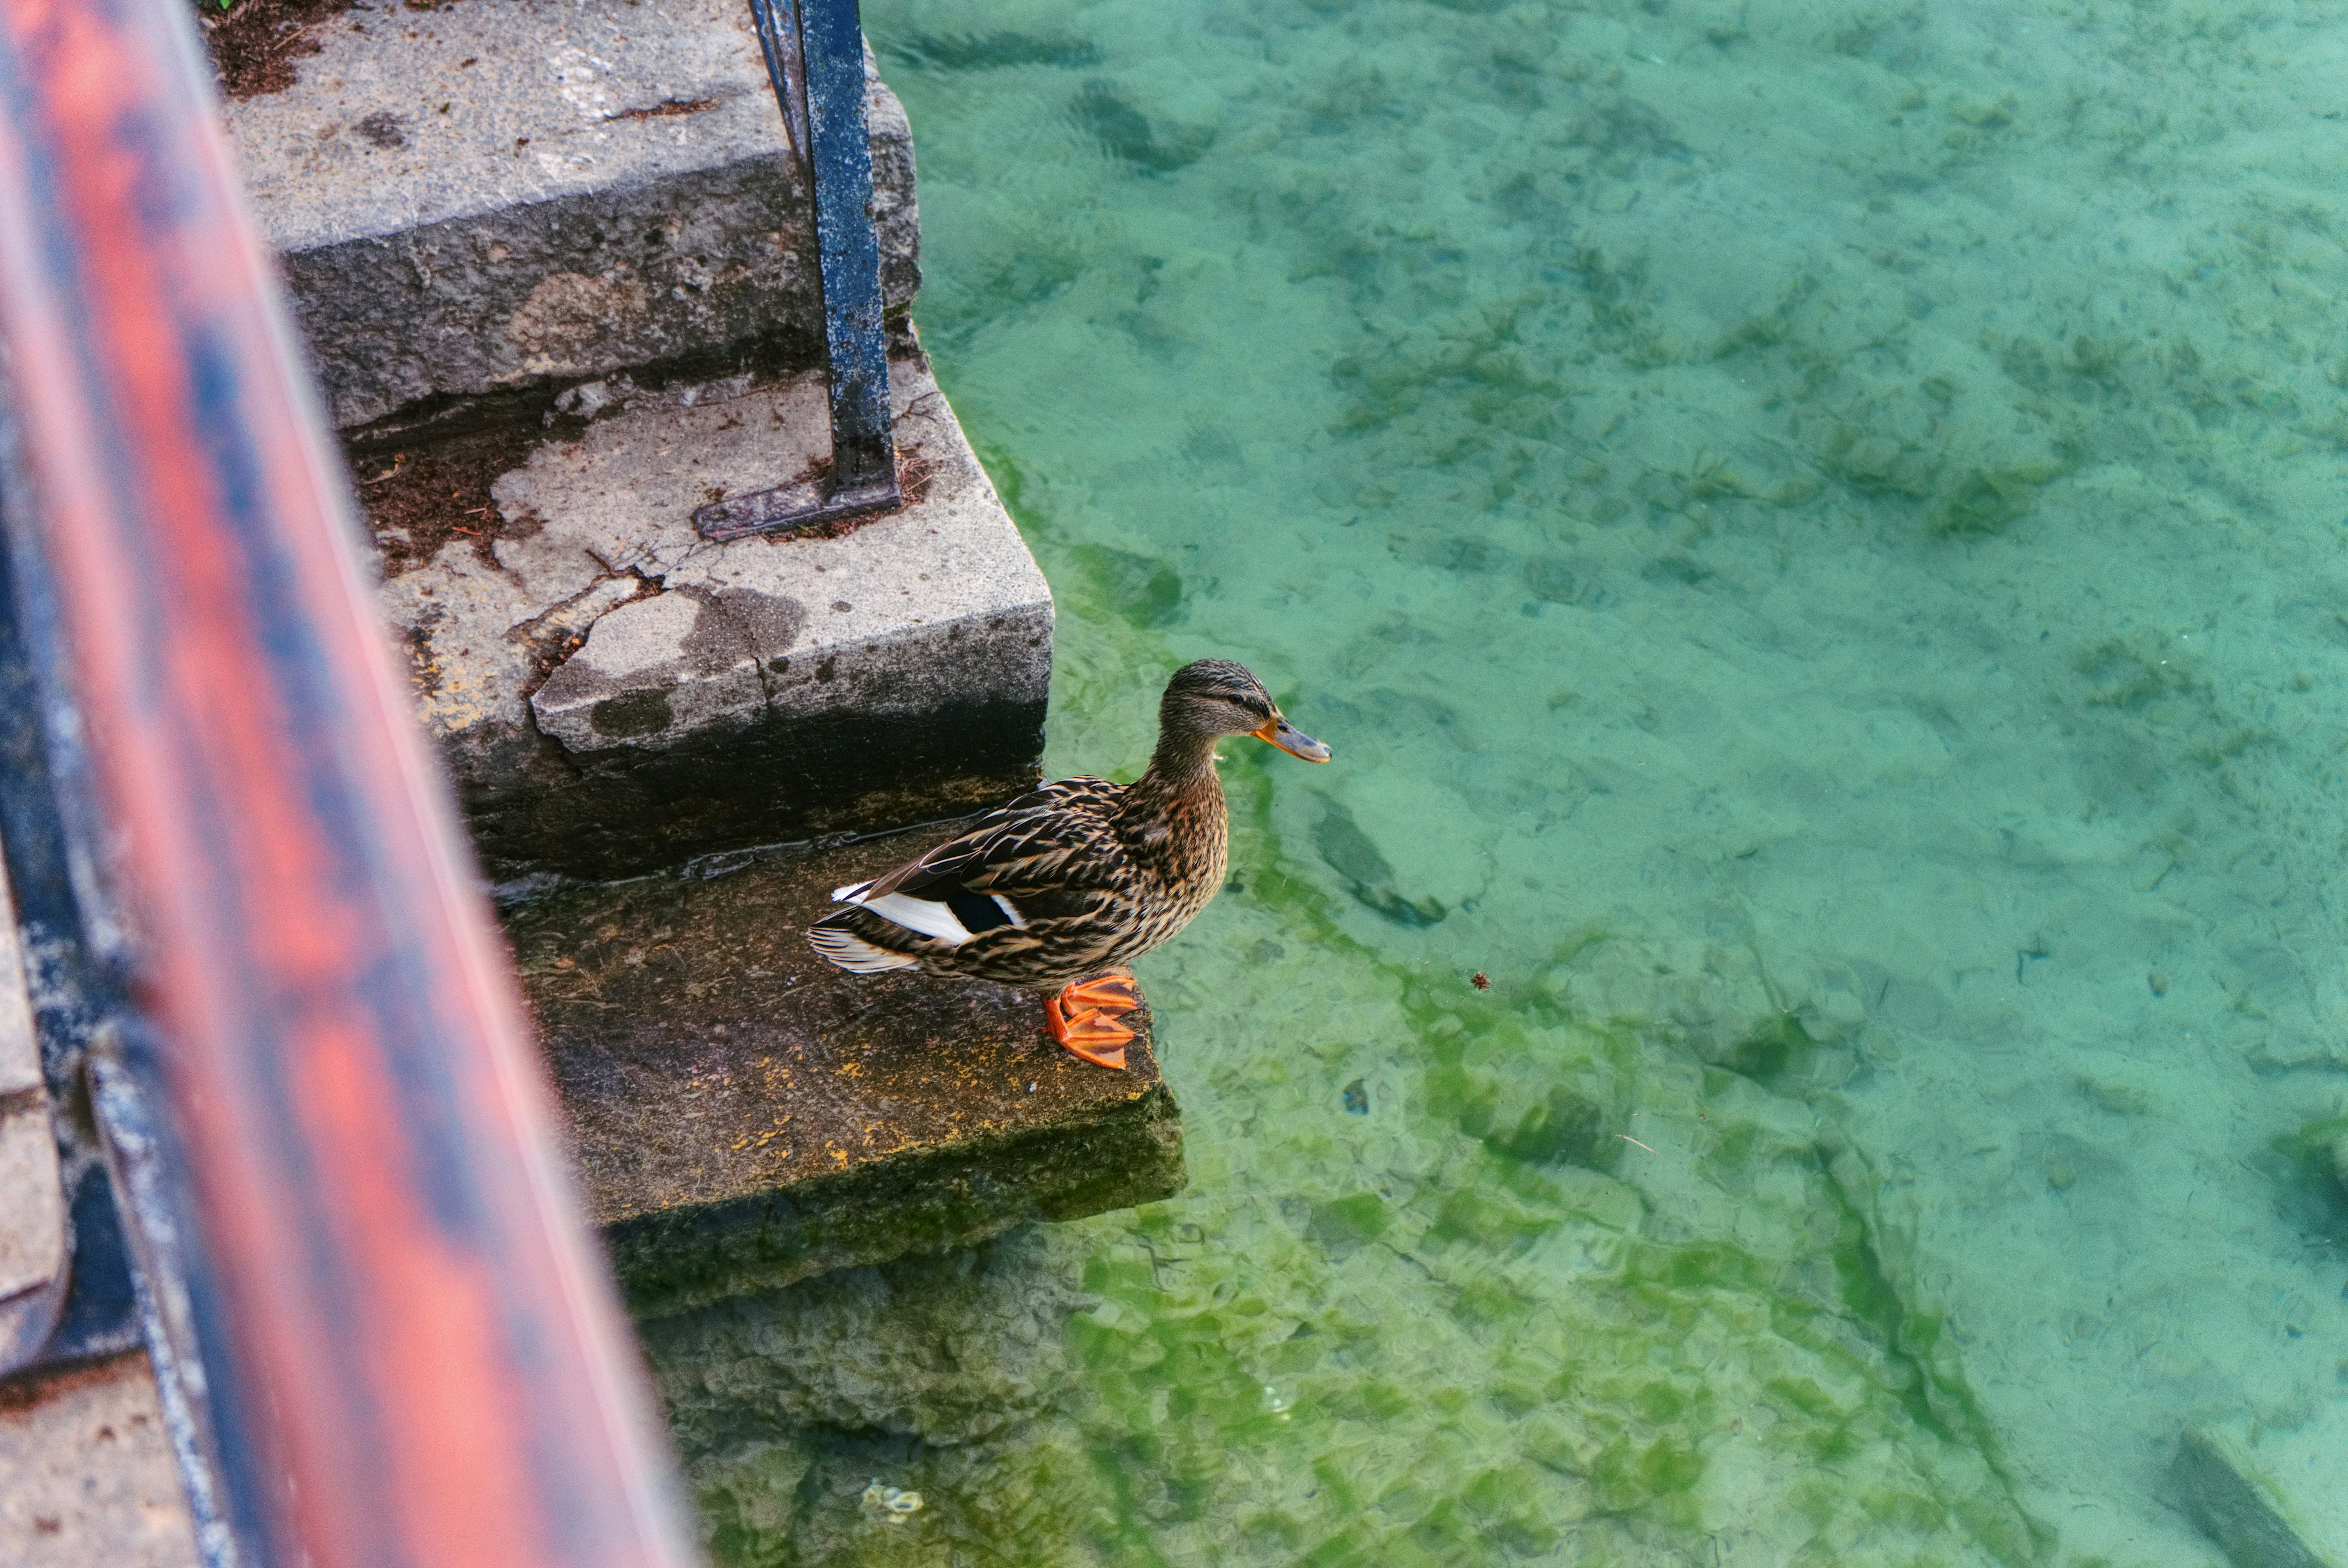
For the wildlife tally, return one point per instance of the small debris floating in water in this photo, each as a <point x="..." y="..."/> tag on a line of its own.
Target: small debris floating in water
<point x="892" y="1504"/>
<point x="1480" y="980"/>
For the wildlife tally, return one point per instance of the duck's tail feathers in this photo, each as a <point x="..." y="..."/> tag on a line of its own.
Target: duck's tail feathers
<point x="851" y="952"/>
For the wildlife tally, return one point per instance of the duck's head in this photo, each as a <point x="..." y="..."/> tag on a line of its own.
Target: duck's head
<point x="1216" y="697"/>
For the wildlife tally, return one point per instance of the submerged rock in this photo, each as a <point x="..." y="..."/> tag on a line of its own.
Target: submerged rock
<point x="2240" y="1501"/>
<point x="945" y="1349"/>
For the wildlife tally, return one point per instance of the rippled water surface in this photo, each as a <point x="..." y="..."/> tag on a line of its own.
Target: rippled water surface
<point x="1816" y="533"/>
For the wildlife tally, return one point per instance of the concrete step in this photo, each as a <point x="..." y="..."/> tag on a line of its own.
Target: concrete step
<point x="746" y="1115"/>
<point x="486" y="203"/>
<point x="615" y="693"/>
<point x="555" y="262"/>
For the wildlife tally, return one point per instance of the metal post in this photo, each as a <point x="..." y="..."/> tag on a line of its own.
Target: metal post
<point x="815" y="58"/>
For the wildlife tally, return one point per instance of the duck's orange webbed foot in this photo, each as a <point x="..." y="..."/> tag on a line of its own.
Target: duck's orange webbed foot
<point x="1078" y="1018"/>
<point x="1110" y="994"/>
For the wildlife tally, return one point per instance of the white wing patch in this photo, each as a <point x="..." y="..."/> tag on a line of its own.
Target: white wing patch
<point x="933" y="917"/>
<point x="929" y="918"/>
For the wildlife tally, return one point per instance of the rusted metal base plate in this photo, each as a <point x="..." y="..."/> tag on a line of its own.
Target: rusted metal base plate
<point x="746" y="1115"/>
<point x="787" y="509"/>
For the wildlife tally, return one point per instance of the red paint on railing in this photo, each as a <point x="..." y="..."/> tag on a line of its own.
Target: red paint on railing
<point x="428" y="1364"/>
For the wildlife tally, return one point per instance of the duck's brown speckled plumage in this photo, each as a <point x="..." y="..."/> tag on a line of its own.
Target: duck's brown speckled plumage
<point x="1095" y="874"/>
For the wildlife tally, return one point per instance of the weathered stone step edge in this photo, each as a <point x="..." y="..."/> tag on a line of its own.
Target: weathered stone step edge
<point x="915" y="1199"/>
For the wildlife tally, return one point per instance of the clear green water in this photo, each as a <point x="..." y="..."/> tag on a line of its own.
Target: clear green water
<point x="1816" y="532"/>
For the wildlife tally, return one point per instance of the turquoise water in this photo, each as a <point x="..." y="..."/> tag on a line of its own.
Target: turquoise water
<point x="1816" y="533"/>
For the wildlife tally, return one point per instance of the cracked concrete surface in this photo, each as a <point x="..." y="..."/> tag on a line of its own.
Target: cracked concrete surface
<point x="613" y="691"/>
<point x="475" y="199"/>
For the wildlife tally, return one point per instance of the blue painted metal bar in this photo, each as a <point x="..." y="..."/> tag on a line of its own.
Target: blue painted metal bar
<point x="93" y="1310"/>
<point x="841" y="145"/>
<point x="777" y="21"/>
<point x="175" y="1287"/>
<point x="815" y="58"/>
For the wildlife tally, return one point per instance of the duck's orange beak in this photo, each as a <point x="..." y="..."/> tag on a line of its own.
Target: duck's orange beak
<point x="1291" y="740"/>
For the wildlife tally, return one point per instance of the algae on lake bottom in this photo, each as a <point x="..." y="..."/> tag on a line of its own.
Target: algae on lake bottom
<point x="1438" y="1331"/>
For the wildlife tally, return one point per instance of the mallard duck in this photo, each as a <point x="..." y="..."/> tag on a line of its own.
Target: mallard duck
<point x="1062" y="888"/>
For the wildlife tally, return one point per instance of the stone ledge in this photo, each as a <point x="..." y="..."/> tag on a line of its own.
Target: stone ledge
<point x="479" y="198"/>
<point x="744" y="1115"/>
<point x="614" y="693"/>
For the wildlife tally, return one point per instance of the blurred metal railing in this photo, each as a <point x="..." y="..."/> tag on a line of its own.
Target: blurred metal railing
<point x="371" y="1297"/>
